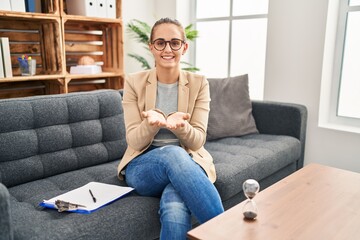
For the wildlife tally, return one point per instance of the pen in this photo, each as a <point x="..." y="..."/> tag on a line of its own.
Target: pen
<point x="94" y="199"/>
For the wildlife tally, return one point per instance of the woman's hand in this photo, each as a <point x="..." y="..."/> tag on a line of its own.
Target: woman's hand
<point x="177" y="120"/>
<point x="154" y="118"/>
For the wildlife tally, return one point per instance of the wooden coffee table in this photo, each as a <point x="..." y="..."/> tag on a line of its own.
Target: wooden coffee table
<point x="316" y="202"/>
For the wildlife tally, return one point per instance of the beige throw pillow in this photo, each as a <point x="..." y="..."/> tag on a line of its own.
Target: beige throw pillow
<point x="230" y="108"/>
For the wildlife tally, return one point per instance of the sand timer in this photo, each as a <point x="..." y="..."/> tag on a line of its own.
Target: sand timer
<point x="250" y="187"/>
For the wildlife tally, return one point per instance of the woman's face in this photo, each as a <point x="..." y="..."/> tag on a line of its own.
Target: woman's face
<point x="167" y="58"/>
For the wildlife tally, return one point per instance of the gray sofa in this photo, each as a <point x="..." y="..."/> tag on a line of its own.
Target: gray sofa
<point x="52" y="144"/>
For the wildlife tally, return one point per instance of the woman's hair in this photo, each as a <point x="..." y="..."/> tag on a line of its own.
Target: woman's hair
<point x="167" y="21"/>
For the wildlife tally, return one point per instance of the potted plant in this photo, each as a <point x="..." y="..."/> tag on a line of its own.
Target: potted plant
<point x="141" y="32"/>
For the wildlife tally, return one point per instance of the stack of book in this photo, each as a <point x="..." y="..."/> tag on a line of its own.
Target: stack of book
<point x="5" y="58"/>
<point x="92" y="8"/>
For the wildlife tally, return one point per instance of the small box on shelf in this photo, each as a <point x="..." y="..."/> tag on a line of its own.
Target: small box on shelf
<point x="85" y="69"/>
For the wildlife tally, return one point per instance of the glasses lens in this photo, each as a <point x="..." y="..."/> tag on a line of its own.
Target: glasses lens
<point x="159" y="44"/>
<point x="175" y="44"/>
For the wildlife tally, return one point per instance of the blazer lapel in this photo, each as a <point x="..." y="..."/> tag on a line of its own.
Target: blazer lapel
<point x="150" y="91"/>
<point x="183" y="98"/>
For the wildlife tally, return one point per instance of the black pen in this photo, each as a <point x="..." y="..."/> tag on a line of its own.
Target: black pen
<point x="94" y="199"/>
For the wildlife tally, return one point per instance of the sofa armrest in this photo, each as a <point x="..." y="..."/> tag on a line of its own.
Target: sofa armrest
<point x="5" y="220"/>
<point x="282" y="119"/>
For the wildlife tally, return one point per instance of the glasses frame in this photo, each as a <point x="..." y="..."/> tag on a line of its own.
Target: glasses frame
<point x="168" y="42"/>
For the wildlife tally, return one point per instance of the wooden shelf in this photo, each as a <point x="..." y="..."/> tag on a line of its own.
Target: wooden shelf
<point x="94" y="76"/>
<point x="57" y="40"/>
<point x="95" y="20"/>
<point x="27" y="15"/>
<point x="31" y="78"/>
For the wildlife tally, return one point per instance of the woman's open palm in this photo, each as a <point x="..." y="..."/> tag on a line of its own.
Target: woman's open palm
<point x="154" y="118"/>
<point x="177" y="120"/>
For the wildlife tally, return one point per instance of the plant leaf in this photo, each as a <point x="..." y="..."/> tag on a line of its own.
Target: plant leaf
<point x="146" y="28"/>
<point x="142" y="60"/>
<point x="140" y="31"/>
<point x="189" y="67"/>
<point x="190" y="33"/>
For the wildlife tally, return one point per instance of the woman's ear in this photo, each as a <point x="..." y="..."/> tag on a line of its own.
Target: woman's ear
<point x="186" y="46"/>
<point x="151" y="48"/>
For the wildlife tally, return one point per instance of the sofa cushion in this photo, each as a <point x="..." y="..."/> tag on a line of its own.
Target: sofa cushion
<point x="230" y="108"/>
<point x="254" y="156"/>
<point x="121" y="219"/>
<point x="47" y="135"/>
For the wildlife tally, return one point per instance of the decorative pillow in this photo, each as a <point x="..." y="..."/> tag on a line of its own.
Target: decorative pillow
<point x="230" y="108"/>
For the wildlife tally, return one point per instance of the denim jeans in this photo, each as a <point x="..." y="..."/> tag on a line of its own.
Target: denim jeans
<point x="170" y="173"/>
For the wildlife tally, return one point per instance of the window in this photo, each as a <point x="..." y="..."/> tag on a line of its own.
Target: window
<point x="349" y="92"/>
<point x="232" y="40"/>
<point x="340" y="86"/>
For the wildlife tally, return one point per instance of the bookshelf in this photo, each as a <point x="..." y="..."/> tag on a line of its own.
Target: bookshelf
<point x="57" y="40"/>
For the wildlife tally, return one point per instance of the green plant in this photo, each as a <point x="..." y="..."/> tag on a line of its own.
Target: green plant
<point x="141" y="32"/>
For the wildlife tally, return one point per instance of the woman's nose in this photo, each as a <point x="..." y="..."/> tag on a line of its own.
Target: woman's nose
<point x="167" y="47"/>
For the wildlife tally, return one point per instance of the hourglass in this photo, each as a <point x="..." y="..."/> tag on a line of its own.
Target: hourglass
<point x="250" y="187"/>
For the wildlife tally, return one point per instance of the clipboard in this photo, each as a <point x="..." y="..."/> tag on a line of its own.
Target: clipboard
<point x="89" y="197"/>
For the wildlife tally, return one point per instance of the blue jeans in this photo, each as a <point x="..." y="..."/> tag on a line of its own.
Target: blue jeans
<point x="170" y="173"/>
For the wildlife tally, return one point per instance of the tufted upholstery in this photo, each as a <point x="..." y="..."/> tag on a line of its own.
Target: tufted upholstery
<point x="44" y="136"/>
<point x="251" y="156"/>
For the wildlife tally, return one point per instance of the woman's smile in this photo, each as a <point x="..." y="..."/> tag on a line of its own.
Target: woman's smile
<point x="168" y="57"/>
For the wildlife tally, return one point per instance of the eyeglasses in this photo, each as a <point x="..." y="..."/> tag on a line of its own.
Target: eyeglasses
<point x="175" y="44"/>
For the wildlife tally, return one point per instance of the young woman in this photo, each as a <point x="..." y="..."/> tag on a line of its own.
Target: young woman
<point x="166" y="114"/>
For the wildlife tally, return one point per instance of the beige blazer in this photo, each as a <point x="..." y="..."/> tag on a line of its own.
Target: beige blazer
<point x="193" y="97"/>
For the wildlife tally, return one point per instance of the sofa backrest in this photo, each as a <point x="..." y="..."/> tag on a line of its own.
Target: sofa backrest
<point x="43" y="136"/>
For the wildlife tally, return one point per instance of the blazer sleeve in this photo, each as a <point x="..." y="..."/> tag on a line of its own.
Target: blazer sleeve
<point x="139" y="134"/>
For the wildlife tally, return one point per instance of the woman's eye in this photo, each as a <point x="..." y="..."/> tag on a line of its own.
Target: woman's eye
<point x="160" y="43"/>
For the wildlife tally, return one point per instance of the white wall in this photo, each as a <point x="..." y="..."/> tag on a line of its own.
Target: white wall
<point x="296" y="35"/>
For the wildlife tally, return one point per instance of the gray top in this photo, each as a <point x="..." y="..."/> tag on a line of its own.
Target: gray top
<point x="166" y="101"/>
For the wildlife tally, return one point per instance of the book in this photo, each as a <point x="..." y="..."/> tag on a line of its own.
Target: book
<point x="17" y="5"/>
<point x="111" y="8"/>
<point x="101" y="8"/>
<point x="38" y="6"/>
<point x="82" y="7"/>
<point x="1" y="64"/>
<point x="5" y="47"/>
<point x="33" y="6"/>
<point x="89" y="197"/>
<point x="5" y="5"/>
